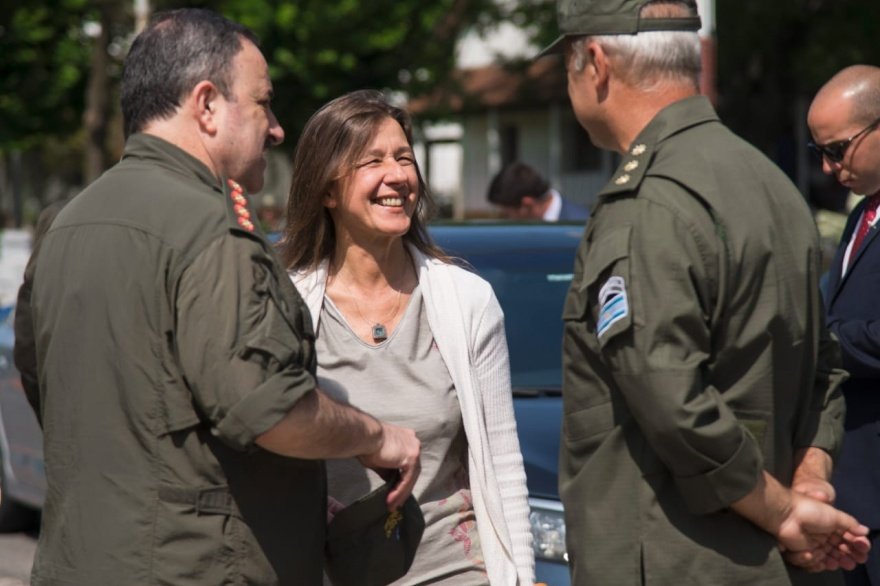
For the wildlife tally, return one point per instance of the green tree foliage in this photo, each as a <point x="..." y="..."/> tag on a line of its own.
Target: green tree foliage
<point x="774" y="56"/>
<point x="771" y="54"/>
<point x="45" y="55"/>
<point x="59" y="76"/>
<point x="317" y="49"/>
<point x="320" y="49"/>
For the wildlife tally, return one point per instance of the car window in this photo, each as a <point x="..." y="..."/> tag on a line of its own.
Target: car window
<point x="531" y="288"/>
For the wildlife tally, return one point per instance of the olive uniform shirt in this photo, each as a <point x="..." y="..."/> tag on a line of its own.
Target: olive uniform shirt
<point x="168" y="338"/>
<point x="24" y="351"/>
<point x="695" y="354"/>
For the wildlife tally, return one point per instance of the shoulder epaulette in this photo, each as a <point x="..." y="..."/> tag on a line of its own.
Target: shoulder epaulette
<point x="238" y="208"/>
<point x="631" y="170"/>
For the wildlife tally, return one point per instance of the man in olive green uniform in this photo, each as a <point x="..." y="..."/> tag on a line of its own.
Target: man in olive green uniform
<point x="24" y="353"/>
<point x="174" y="360"/>
<point x="699" y="381"/>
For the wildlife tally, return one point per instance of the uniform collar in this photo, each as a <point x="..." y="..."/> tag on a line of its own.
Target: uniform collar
<point x="671" y="120"/>
<point x="551" y="214"/>
<point x="164" y="154"/>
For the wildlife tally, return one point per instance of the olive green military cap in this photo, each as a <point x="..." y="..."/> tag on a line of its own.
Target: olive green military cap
<point x="369" y="546"/>
<point x="611" y="17"/>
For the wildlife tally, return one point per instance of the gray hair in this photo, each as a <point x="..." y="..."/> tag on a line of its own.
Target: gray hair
<point x="649" y="59"/>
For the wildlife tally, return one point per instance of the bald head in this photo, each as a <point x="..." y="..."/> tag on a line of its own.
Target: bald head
<point x="843" y="120"/>
<point x="856" y="88"/>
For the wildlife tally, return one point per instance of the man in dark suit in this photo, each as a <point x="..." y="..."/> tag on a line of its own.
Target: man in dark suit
<point x="521" y="193"/>
<point x="844" y="119"/>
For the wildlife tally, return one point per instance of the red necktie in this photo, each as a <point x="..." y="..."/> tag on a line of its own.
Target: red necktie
<point x="868" y="216"/>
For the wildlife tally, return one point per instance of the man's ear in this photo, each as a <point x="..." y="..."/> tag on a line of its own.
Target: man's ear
<point x="600" y="68"/>
<point x="528" y="205"/>
<point x="204" y="102"/>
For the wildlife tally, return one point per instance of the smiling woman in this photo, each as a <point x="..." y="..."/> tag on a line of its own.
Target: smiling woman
<point x="409" y="337"/>
<point x="379" y="195"/>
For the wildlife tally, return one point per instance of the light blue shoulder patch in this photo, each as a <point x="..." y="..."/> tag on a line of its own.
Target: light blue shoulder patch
<point x="613" y="302"/>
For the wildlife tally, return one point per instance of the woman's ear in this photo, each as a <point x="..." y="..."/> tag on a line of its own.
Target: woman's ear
<point x="329" y="200"/>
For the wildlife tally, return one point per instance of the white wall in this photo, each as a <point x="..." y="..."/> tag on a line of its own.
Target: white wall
<point x="503" y="41"/>
<point x="535" y="138"/>
<point x="478" y="167"/>
<point x="475" y="175"/>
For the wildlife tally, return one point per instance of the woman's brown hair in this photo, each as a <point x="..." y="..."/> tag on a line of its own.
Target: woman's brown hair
<point x="330" y="143"/>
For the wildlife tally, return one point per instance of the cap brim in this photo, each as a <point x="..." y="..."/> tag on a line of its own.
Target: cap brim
<point x="363" y="539"/>
<point x="611" y="25"/>
<point x="557" y="47"/>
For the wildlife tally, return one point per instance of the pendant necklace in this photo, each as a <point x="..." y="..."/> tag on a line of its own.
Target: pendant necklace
<point x="378" y="329"/>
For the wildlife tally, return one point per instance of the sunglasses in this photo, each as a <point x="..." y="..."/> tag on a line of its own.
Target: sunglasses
<point x="835" y="151"/>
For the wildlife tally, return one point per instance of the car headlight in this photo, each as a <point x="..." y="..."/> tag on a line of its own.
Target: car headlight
<point x="548" y="530"/>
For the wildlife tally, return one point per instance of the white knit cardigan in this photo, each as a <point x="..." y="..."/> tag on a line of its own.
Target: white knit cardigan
<point x="468" y="326"/>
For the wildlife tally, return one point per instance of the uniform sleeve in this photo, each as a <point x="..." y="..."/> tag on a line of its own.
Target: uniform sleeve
<point x="25" y="351"/>
<point x="823" y="426"/>
<point x="492" y="371"/>
<point x="658" y="361"/>
<point x="244" y="343"/>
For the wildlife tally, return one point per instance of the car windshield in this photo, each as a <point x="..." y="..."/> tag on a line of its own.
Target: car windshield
<point x="531" y="289"/>
<point x="530" y="272"/>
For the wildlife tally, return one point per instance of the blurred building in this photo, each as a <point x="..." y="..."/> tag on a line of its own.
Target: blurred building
<point x="503" y="106"/>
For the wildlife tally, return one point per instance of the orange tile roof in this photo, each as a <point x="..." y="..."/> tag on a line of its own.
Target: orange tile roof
<point x="524" y="84"/>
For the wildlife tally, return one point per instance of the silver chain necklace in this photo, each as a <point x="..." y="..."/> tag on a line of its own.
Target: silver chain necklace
<point x="378" y="329"/>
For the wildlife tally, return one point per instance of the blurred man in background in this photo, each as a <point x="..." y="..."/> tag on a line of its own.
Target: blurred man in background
<point x="521" y="193"/>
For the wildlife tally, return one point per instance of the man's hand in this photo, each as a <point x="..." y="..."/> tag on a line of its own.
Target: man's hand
<point x="815" y="488"/>
<point x="811" y="478"/>
<point x="812" y="534"/>
<point x="399" y="450"/>
<point x="818" y="537"/>
<point x="318" y="427"/>
<point x="812" y="475"/>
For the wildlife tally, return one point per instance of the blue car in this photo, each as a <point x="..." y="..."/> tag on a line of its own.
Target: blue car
<point x="22" y="478"/>
<point x="530" y="269"/>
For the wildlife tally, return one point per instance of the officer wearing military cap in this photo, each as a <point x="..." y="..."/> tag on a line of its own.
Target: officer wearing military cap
<point x="701" y="399"/>
<point x="173" y="365"/>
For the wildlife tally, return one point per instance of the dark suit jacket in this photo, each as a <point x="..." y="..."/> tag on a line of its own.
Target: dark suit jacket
<point x="572" y="211"/>
<point x="853" y="307"/>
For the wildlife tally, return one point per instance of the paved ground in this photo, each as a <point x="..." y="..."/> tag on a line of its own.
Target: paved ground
<point x="16" y="556"/>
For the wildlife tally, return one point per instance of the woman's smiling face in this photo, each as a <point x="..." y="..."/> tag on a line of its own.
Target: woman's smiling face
<point x="379" y="195"/>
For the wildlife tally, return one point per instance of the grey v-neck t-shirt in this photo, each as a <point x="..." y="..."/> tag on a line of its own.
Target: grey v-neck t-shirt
<point x="403" y="380"/>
